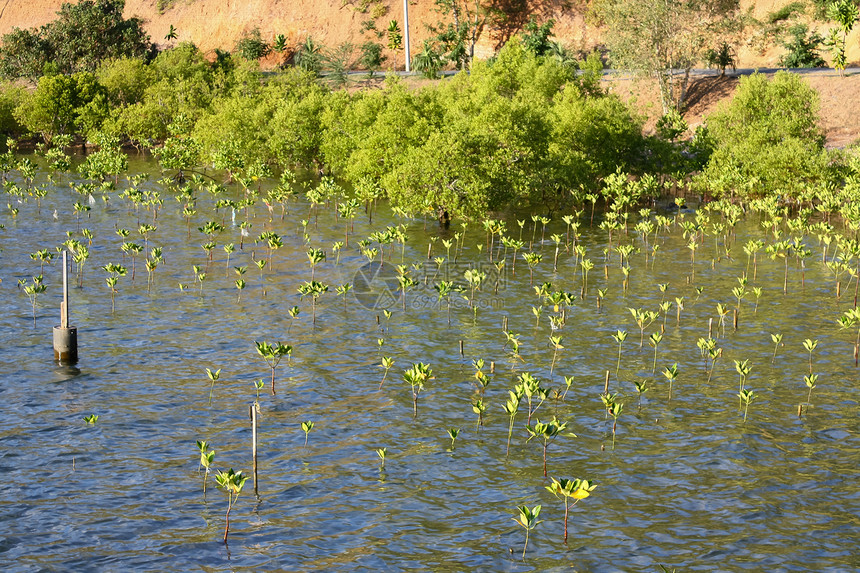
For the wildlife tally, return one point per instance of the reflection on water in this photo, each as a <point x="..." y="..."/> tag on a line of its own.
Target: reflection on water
<point x="688" y="484"/>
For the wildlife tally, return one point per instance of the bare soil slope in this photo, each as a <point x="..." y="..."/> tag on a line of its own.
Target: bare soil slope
<point x="214" y="24"/>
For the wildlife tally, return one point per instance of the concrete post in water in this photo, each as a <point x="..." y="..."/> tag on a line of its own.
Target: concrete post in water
<point x="65" y="336"/>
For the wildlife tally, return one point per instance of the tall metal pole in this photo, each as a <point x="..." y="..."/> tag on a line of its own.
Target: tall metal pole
<point x="406" y="33"/>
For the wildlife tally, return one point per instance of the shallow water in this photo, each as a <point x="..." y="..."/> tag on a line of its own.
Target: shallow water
<point x="687" y="485"/>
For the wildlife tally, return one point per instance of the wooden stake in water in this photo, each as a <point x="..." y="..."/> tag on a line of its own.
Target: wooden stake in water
<point x="606" y="384"/>
<point x="461" y="349"/>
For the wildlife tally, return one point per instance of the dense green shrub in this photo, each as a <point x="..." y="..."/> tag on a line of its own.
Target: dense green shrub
<point x="766" y="140"/>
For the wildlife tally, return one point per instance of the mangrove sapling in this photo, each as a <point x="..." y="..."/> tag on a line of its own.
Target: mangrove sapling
<point x="44" y="256"/>
<point x="722" y="312"/>
<point x="232" y="483"/>
<point x="743" y="369"/>
<point x="746" y="396"/>
<point x="306" y="428"/>
<point x="777" y="342"/>
<point x="206" y="457"/>
<point x="810" y="381"/>
<point x="532" y="260"/>
<point x="555" y="342"/>
<point x="381" y="452"/>
<point x="229" y="249"/>
<point x="404" y="283"/>
<point x="671" y="374"/>
<point x="415" y="376"/>
<point x="453" y="433"/>
<point x="342" y="291"/>
<point x="620" y="336"/>
<point x="537" y="311"/>
<point x="387" y="314"/>
<point x="601" y="295"/>
<point x="679" y="306"/>
<point x="258" y="385"/>
<point x="115" y="271"/>
<point x="315" y="256"/>
<point x="91" y="419"/>
<point x="643" y="319"/>
<point x="314" y="289"/>
<point x="528" y="519"/>
<point x="586" y="265"/>
<point x="214" y="376"/>
<point x="387" y="363"/>
<point x="654" y="340"/>
<point x="272" y="354"/>
<point x="531" y="387"/>
<point x="641" y="388"/>
<point x="810" y="345"/>
<point x="546" y="431"/>
<point x="566" y="489"/>
<point x="34" y="290"/>
<point x="568" y="381"/>
<point x="757" y="294"/>
<point x="512" y="406"/>
<point x="614" y="410"/>
<point x="479" y="408"/>
<point x="444" y="288"/>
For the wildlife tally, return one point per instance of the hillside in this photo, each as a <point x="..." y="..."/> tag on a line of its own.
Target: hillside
<point x="220" y="23"/>
<point x="214" y="24"/>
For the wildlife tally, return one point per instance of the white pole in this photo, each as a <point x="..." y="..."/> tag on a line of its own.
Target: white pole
<point x="64" y="309"/>
<point x="406" y="32"/>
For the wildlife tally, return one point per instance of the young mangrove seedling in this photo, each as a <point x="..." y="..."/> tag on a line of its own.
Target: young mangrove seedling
<point x="654" y="340"/>
<point x="416" y="376"/>
<point x="381" y="452"/>
<point x="620" y="336"/>
<point x="532" y="260"/>
<point x="453" y="433"/>
<point x="531" y="387"/>
<point x="810" y="345"/>
<point x="555" y="342"/>
<point x="528" y="519"/>
<point x="258" y="385"/>
<point x="641" y="388"/>
<point x="232" y="483"/>
<point x="671" y="373"/>
<point x="445" y="288"/>
<point x="37" y="288"/>
<point x="314" y="289"/>
<point x="91" y="419"/>
<point x="115" y="271"/>
<point x="479" y="408"/>
<point x="810" y="381"/>
<point x="512" y="406"/>
<point x="777" y="342"/>
<point x="743" y="369"/>
<point x="746" y="396"/>
<point x="615" y="411"/>
<point x="213" y="376"/>
<point x="546" y="432"/>
<point x="566" y="489"/>
<point x="272" y="354"/>
<point x="307" y="427"/>
<point x="387" y="363"/>
<point x="206" y="457"/>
